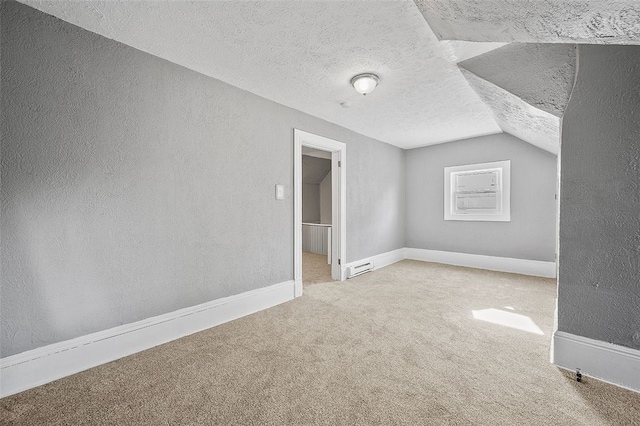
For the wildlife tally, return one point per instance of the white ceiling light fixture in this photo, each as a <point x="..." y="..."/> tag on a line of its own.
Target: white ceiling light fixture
<point x="365" y="83"/>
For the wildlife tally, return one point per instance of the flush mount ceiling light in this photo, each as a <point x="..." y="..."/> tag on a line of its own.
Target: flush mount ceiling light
<point x="365" y="83"/>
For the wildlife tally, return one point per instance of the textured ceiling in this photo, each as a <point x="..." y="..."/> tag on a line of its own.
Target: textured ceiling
<point x="540" y="74"/>
<point x="303" y="55"/>
<point x="535" y="21"/>
<point x="517" y="117"/>
<point x="527" y="85"/>
<point x="457" y="51"/>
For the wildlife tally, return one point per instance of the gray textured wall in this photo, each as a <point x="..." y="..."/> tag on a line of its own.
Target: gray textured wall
<point x="325" y="200"/>
<point x="310" y="203"/>
<point x="375" y="200"/>
<point x="133" y="187"/>
<point x="599" y="276"/>
<point x="531" y="232"/>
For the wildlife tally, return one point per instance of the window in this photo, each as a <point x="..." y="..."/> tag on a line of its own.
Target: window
<point x="478" y="192"/>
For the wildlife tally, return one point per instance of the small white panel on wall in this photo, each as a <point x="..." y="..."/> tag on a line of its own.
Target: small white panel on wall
<point x="478" y="192"/>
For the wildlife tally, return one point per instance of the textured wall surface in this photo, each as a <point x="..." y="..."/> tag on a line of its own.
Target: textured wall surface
<point x="133" y="187"/>
<point x="375" y="200"/>
<point x="599" y="276"/>
<point x="314" y="169"/>
<point x="548" y="21"/>
<point x="325" y="200"/>
<point x="540" y="74"/>
<point x="275" y="48"/>
<point x="517" y="117"/>
<point x="531" y="232"/>
<point x="310" y="203"/>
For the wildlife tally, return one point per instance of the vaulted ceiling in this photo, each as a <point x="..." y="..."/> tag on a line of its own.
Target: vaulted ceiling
<point x="527" y="86"/>
<point x="445" y="71"/>
<point x="535" y="21"/>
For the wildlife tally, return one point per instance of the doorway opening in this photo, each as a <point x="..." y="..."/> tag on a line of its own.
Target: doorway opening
<point x="316" y="216"/>
<point x="325" y="161"/>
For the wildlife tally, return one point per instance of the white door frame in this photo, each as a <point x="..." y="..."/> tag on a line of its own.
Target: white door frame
<point x="338" y="203"/>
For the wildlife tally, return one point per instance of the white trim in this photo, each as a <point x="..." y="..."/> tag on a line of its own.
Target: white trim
<point x="42" y="365"/>
<point x="492" y="263"/>
<point x="297" y="215"/>
<point x="339" y="202"/>
<point x="338" y="211"/>
<point x="379" y="260"/>
<point x="604" y="361"/>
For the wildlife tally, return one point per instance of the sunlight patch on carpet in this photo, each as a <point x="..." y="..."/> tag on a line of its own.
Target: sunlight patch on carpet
<point x="508" y="319"/>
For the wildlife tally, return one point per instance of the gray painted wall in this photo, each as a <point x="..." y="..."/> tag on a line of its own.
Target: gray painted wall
<point x="531" y="232"/>
<point x="310" y="203"/>
<point x="325" y="199"/>
<point x="314" y="169"/>
<point x="599" y="276"/>
<point x="132" y="187"/>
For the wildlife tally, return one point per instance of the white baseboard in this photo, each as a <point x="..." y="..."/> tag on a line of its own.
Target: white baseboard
<point x="43" y="365"/>
<point x="298" y="287"/>
<point x="604" y="361"/>
<point x="493" y="263"/>
<point x="379" y="260"/>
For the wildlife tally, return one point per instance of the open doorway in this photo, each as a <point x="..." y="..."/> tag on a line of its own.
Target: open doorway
<point x="316" y="216"/>
<point x="319" y="225"/>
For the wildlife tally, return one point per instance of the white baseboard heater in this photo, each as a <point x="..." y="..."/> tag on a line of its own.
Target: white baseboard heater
<point x="360" y="269"/>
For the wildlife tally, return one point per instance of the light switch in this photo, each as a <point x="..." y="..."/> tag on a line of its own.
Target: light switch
<point x="279" y="192"/>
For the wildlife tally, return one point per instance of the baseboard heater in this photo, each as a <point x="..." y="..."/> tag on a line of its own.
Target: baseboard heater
<point x="360" y="269"/>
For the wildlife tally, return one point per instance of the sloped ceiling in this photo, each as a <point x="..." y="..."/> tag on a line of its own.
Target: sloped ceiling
<point x="540" y="74"/>
<point x="303" y="55"/>
<point x="517" y="117"/>
<point x="527" y="87"/>
<point x="534" y="21"/>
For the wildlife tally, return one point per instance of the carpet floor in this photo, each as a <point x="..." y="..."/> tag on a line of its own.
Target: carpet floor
<point x="315" y="269"/>
<point x="397" y="346"/>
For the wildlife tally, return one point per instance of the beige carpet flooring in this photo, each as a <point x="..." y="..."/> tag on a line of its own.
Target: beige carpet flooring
<point x="395" y="346"/>
<point x="315" y="269"/>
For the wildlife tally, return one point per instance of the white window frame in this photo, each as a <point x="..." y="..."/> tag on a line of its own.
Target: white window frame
<point x="503" y="192"/>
